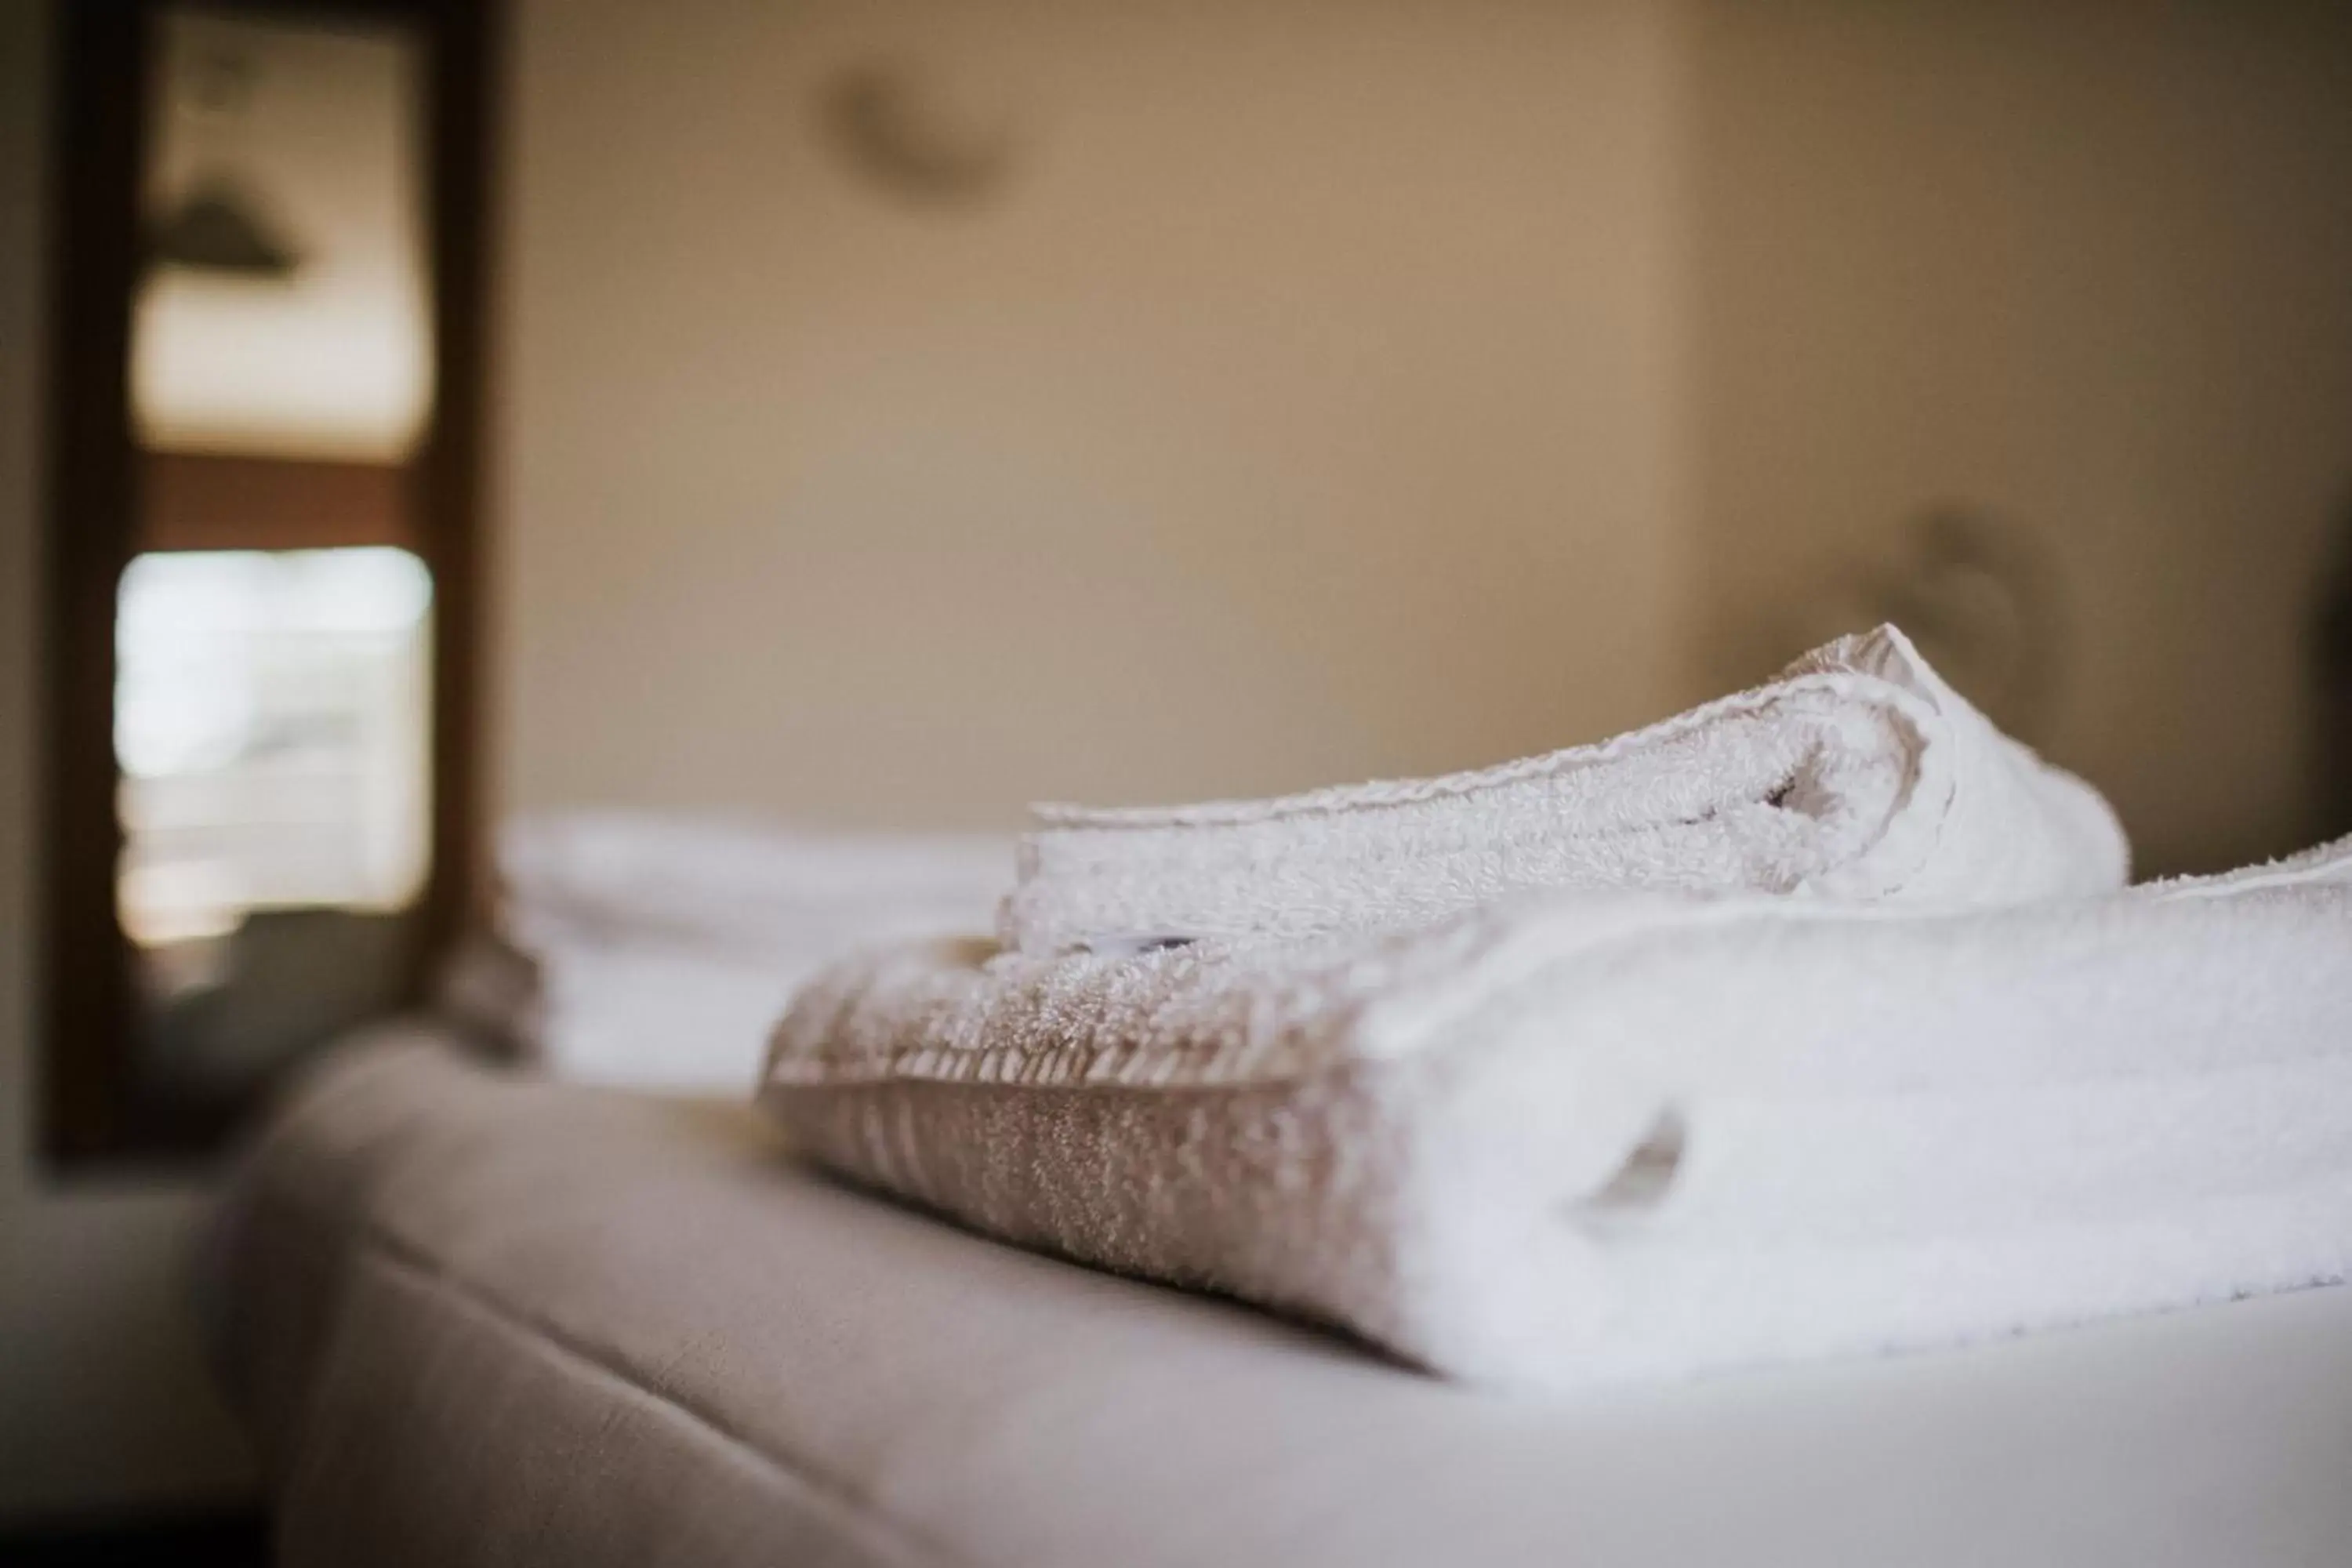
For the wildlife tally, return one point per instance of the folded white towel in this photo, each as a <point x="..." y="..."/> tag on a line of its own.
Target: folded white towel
<point x="628" y="1014"/>
<point x="657" y="953"/>
<point x="1858" y="774"/>
<point x="1599" y="1136"/>
<point x="751" y="890"/>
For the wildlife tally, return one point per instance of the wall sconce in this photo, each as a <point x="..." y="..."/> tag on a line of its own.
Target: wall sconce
<point x="926" y="138"/>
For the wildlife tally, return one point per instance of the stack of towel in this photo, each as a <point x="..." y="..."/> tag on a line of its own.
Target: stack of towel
<point x="656" y="953"/>
<point x="1812" y="1023"/>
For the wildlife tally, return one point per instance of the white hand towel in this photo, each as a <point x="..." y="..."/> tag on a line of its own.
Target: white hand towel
<point x="657" y="953"/>
<point x="1858" y="774"/>
<point x="1603" y="1136"/>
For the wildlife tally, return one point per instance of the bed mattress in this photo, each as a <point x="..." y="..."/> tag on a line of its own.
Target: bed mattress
<point x="479" y="1317"/>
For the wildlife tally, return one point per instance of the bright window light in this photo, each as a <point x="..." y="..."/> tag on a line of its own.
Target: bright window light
<point x="272" y="722"/>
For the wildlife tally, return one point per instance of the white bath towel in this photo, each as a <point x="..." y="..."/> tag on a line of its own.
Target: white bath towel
<point x="1858" y="774"/>
<point x="1591" y="1137"/>
<point x="654" y="952"/>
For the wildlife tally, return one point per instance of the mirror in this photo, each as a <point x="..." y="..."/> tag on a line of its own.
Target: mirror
<point x="273" y="626"/>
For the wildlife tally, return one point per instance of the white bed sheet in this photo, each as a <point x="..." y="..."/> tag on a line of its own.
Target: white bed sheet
<point x="480" y="1319"/>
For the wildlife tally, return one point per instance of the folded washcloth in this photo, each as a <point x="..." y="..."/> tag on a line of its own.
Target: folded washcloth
<point x="1593" y="1136"/>
<point x="657" y="953"/>
<point x="1858" y="774"/>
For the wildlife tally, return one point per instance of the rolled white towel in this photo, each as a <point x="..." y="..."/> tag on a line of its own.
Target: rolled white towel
<point x="1591" y="1137"/>
<point x="1858" y="774"/>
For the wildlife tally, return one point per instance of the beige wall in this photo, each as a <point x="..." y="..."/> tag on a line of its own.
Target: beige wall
<point x="1345" y="389"/>
<point x="103" y="1397"/>
<point x="2088" y="266"/>
<point x="1304" y="409"/>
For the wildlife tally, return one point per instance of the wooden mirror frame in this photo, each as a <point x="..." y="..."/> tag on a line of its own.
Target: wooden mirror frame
<point x="92" y="493"/>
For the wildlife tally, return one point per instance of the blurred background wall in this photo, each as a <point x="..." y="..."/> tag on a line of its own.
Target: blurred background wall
<point x="1300" y="402"/>
<point x="1318" y="392"/>
<point x="2083" y="270"/>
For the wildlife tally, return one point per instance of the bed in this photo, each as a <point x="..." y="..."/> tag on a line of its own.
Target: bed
<point x="480" y="1317"/>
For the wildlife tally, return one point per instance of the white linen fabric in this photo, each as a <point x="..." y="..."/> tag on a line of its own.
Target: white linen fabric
<point x="657" y="953"/>
<point x="744" y="889"/>
<point x="1858" y="774"/>
<point x="1585" y="1136"/>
